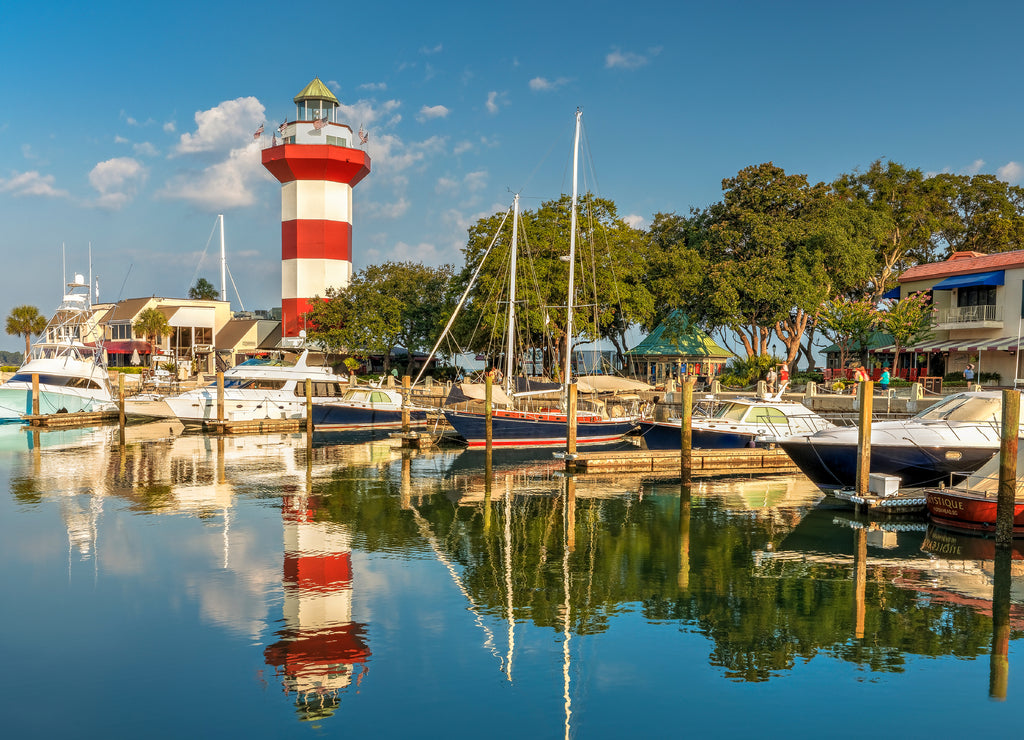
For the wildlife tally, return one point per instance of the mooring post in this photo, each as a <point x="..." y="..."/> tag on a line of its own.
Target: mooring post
<point x="309" y="409"/>
<point x="406" y="424"/>
<point x="1007" y="468"/>
<point x="866" y="391"/>
<point x="999" y="662"/>
<point x="220" y="395"/>
<point x="570" y="424"/>
<point x="686" y="433"/>
<point x="488" y="415"/>
<point x="35" y="394"/>
<point x="120" y="401"/>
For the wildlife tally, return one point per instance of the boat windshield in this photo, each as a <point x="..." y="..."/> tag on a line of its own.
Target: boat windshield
<point x="965" y="408"/>
<point x="260" y="384"/>
<point x="731" y="412"/>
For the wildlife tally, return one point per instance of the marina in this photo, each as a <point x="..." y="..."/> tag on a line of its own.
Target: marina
<point x="313" y="584"/>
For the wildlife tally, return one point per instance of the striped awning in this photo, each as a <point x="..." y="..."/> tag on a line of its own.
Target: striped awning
<point x="955" y="345"/>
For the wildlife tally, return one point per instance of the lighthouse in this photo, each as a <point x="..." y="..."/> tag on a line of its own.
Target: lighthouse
<point x="317" y="166"/>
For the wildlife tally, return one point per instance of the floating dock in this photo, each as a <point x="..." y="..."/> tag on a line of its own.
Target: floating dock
<point x="254" y="426"/>
<point x="704" y="463"/>
<point x="65" y="421"/>
<point x="908" y="501"/>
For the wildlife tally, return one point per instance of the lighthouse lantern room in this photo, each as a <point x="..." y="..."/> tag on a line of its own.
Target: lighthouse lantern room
<point x="317" y="166"/>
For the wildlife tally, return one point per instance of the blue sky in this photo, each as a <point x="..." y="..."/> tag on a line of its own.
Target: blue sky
<point x="129" y="125"/>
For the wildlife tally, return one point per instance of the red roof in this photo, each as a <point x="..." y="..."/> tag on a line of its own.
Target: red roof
<point x="964" y="263"/>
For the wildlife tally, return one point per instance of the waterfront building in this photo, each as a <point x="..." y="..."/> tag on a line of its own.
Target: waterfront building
<point x="317" y="165"/>
<point x="977" y="302"/>
<point x="678" y="347"/>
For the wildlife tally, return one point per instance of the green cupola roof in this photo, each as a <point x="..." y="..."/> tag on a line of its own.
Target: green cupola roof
<point x="316" y="90"/>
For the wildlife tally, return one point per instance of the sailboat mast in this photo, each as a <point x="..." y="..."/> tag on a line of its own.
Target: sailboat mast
<point x="572" y="255"/>
<point x="510" y="344"/>
<point x="223" y="263"/>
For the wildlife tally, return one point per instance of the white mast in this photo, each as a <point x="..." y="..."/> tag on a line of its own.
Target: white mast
<point x="572" y="256"/>
<point x="512" y="297"/>
<point x="223" y="263"/>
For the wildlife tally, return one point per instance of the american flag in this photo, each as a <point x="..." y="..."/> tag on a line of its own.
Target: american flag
<point x="281" y="128"/>
<point x="320" y="123"/>
<point x="363" y="135"/>
<point x="259" y="132"/>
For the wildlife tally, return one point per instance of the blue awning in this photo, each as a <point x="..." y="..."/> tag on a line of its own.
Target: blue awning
<point x="970" y="281"/>
<point x="894" y="293"/>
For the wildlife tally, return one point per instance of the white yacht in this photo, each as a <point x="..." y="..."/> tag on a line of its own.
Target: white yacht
<point x="72" y="374"/>
<point x="260" y="389"/>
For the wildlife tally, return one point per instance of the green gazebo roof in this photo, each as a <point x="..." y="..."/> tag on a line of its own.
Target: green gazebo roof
<point x="677" y="337"/>
<point x="316" y="90"/>
<point x="875" y="340"/>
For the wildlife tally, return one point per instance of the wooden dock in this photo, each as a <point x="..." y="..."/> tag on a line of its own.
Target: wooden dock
<point x="705" y="463"/>
<point x="70" y="420"/>
<point x="254" y="426"/>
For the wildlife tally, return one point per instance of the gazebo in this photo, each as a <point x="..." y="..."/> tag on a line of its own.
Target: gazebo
<point x="678" y="347"/>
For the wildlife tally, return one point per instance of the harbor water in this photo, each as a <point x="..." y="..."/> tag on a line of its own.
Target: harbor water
<point x="262" y="586"/>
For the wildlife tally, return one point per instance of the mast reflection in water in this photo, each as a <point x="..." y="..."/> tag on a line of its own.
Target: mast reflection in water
<point x="260" y="571"/>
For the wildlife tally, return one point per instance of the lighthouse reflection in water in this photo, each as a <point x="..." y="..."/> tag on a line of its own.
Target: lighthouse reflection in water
<point x="245" y="586"/>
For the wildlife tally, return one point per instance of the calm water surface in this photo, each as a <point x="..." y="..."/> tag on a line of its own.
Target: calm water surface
<point x="189" y="586"/>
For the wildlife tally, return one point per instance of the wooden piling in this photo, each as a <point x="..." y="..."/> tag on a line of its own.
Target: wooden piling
<point x="220" y="395"/>
<point x="488" y="420"/>
<point x="406" y="423"/>
<point x="1007" y="468"/>
<point x="999" y="661"/>
<point x="35" y="394"/>
<point x="309" y="408"/>
<point x="120" y="401"/>
<point x="865" y="390"/>
<point x="570" y="421"/>
<point x="686" y="433"/>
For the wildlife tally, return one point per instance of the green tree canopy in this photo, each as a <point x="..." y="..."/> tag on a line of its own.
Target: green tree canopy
<point x="25" y="321"/>
<point x="152" y="325"/>
<point x="203" y="290"/>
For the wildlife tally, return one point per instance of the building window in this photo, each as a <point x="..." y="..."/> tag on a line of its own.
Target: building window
<point x="337" y="140"/>
<point x="978" y="295"/>
<point x="120" y="331"/>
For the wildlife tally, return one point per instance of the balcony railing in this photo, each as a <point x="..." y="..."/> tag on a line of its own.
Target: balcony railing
<point x="970" y="315"/>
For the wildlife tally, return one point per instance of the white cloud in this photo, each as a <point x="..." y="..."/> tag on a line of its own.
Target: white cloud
<point x="495" y="100"/>
<point x="635" y="221"/>
<point x="446" y="185"/>
<point x="225" y="184"/>
<point x="387" y="210"/>
<point x="391" y="155"/>
<point x="121" y="140"/>
<point x="27" y="153"/>
<point x="222" y="128"/>
<point x="476" y="180"/>
<point x="462" y="147"/>
<point x="1010" y="172"/>
<point x="429" y="112"/>
<point x="170" y="127"/>
<point x="31" y="183"/>
<point x="366" y="113"/>
<point x="373" y="86"/>
<point x="117" y="180"/>
<point x="974" y="167"/>
<point x="434" y="50"/>
<point x="543" y="84"/>
<point x="145" y="149"/>
<point x="616" y="59"/>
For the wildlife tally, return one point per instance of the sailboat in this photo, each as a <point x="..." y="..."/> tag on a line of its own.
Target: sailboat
<point x="71" y="370"/>
<point x="546" y="427"/>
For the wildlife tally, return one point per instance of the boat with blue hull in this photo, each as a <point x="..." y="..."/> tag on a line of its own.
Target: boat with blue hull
<point x="535" y="429"/>
<point x="942" y="444"/>
<point x="362" y="408"/>
<point x="743" y="422"/>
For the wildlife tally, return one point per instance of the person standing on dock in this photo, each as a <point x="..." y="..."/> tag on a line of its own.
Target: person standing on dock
<point x="770" y="378"/>
<point x="883" y="381"/>
<point x="969" y="374"/>
<point x="783" y="377"/>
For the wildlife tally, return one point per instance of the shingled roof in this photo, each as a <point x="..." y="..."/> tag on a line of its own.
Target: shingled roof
<point x="677" y="337"/>
<point x="963" y="263"/>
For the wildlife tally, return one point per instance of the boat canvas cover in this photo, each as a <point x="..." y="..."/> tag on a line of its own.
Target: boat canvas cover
<point x="464" y="392"/>
<point x="986" y="478"/>
<point x="609" y="384"/>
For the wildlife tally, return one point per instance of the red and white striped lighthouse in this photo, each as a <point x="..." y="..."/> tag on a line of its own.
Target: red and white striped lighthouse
<point x="317" y="167"/>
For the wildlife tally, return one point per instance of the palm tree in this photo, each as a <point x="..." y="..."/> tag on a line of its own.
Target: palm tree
<point x="203" y="290"/>
<point x="25" y="320"/>
<point x="152" y="325"/>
